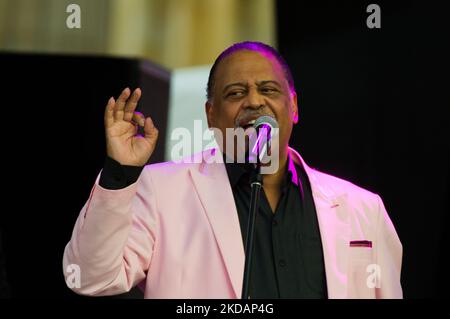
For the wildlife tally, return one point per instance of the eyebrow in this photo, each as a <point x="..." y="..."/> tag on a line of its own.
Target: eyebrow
<point x="258" y="83"/>
<point x="268" y="82"/>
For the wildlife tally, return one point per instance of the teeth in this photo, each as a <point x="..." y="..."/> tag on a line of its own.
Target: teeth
<point x="248" y="124"/>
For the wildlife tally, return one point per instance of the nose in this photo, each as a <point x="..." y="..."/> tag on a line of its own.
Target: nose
<point x="254" y="100"/>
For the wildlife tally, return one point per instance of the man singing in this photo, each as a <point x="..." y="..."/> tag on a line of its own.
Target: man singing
<point x="178" y="229"/>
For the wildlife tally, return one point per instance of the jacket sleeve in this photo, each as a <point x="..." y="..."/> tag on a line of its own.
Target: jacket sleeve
<point x="113" y="239"/>
<point x="388" y="257"/>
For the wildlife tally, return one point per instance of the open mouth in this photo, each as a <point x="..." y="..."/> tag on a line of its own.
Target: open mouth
<point x="248" y="124"/>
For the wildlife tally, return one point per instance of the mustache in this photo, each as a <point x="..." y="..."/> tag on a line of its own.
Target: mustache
<point x="246" y="116"/>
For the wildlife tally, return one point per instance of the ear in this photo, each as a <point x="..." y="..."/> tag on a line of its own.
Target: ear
<point x="209" y="113"/>
<point x="294" y="107"/>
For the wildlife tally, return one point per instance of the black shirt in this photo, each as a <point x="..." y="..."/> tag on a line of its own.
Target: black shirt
<point x="287" y="258"/>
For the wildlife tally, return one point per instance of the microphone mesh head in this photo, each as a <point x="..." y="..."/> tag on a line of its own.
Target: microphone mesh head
<point x="265" y="120"/>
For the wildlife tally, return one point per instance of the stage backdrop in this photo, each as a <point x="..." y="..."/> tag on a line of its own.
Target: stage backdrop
<point x="374" y="110"/>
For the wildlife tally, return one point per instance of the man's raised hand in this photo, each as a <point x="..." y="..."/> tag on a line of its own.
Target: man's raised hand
<point x="123" y="143"/>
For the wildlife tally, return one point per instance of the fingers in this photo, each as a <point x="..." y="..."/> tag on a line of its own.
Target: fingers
<point x="124" y="109"/>
<point x="138" y="118"/>
<point x="131" y="104"/>
<point x="109" y="112"/>
<point x="150" y="131"/>
<point x="120" y="104"/>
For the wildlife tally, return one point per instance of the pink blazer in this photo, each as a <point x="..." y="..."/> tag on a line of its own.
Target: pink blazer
<point x="176" y="233"/>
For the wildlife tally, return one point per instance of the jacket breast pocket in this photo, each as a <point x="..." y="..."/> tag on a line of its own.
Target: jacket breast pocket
<point x="361" y="253"/>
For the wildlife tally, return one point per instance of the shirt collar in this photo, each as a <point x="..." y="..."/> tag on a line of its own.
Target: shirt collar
<point x="292" y="168"/>
<point x="236" y="171"/>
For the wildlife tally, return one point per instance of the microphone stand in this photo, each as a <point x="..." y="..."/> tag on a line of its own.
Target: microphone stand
<point x="256" y="183"/>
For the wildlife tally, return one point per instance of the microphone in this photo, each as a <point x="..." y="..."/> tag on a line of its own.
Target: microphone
<point x="265" y="128"/>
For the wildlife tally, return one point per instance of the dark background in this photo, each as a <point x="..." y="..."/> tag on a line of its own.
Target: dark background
<point x="54" y="148"/>
<point x="373" y="110"/>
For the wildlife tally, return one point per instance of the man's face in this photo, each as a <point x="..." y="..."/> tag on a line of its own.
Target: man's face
<point x="249" y="84"/>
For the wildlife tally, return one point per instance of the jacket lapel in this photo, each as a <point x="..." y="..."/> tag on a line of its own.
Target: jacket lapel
<point x="332" y="216"/>
<point x="334" y="226"/>
<point x="214" y="190"/>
